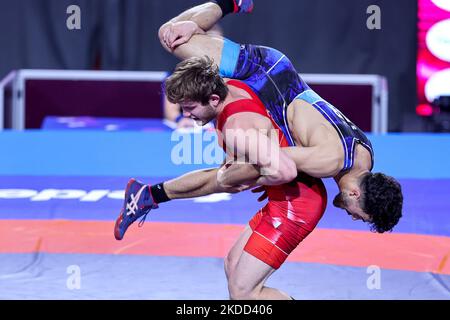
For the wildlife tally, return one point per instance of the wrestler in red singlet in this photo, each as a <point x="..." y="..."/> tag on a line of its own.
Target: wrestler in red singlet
<point x="293" y="210"/>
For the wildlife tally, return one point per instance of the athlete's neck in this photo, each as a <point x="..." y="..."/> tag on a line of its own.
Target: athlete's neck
<point x="228" y="99"/>
<point x="234" y="94"/>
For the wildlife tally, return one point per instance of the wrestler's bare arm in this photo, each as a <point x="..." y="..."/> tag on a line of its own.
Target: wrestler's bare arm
<point x="184" y="36"/>
<point x="248" y="138"/>
<point x="318" y="161"/>
<point x="241" y="175"/>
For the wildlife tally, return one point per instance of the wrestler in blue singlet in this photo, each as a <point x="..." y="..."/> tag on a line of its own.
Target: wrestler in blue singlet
<point x="274" y="79"/>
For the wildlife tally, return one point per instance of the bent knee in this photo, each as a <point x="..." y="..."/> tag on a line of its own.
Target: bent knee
<point x="229" y="264"/>
<point x="239" y="291"/>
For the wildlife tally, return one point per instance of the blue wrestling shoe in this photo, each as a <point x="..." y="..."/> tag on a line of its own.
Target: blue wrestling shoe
<point x="243" y="6"/>
<point x="138" y="203"/>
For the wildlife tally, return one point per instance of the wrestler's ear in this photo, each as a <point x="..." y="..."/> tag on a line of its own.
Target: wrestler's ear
<point x="214" y="100"/>
<point x="355" y="193"/>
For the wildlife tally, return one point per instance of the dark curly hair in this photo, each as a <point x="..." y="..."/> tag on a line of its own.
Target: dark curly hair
<point x="382" y="200"/>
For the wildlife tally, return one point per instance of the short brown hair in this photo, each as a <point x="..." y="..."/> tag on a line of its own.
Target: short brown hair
<point x="195" y="79"/>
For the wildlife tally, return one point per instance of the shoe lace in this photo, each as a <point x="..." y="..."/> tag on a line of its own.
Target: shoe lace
<point x="132" y="206"/>
<point x="141" y="223"/>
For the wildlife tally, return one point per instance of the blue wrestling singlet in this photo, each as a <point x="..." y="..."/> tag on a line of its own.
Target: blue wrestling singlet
<point x="271" y="75"/>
